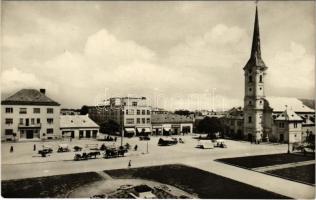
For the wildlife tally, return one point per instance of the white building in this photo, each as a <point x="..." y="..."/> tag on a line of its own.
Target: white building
<point x="78" y="126"/>
<point x="29" y="115"/>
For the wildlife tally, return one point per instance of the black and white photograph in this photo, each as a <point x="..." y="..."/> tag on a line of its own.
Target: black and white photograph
<point x="158" y="99"/>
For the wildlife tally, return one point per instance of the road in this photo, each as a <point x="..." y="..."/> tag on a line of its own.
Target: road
<point x="179" y="154"/>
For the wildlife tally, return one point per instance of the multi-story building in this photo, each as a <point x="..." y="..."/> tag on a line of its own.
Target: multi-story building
<point x="29" y="114"/>
<point x="133" y="114"/>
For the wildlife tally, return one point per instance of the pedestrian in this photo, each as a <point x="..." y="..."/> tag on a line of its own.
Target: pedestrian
<point x="135" y="148"/>
<point x="11" y="149"/>
<point x="115" y="139"/>
<point x="129" y="163"/>
<point x="34" y="147"/>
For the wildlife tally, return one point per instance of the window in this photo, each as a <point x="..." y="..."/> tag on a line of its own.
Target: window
<point x="260" y="78"/>
<point x="143" y="112"/>
<point x="250" y="89"/>
<point x="36" y="110"/>
<point x="134" y="103"/>
<point x="281" y="125"/>
<point x="38" y="120"/>
<point x="50" y="110"/>
<point x="295" y="125"/>
<point x="138" y="112"/>
<point x="131" y="112"/>
<point x="143" y="120"/>
<point x="33" y="121"/>
<point x="138" y="121"/>
<point x="260" y="88"/>
<point x="126" y="112"/>
<point x="80" y="134"/>
<point x="249" y="103"/>
<point x="50" y="120"/>
<point x="250" y="79"/>
<point x="8" y="131"/>
<point x="8" y="110"/>
<point x="148" y="112"/>
<point x="50" y="131"/>
<point x="249" y="119"/>
<point x="9" y="121"/>
<point x="21" y="120"/>
<point x="22" y="110"/>
<point x="129" y="121"/>
<point x="148" y="120"/>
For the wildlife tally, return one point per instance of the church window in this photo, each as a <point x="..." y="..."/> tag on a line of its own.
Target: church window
<point x="249" y="119"/>
<point x="250" y="89"/>
<point x="260" y="88"/>
<point x="260" y="78"/>
<point x="250" y="79"/>
<point x="260" y="102"/>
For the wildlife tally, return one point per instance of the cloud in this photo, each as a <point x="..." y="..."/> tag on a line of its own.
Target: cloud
<point x="292" y="69"/>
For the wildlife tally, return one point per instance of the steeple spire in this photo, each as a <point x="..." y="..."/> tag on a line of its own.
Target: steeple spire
<point x="255" y="50"/>
<point x="255" y="56"/>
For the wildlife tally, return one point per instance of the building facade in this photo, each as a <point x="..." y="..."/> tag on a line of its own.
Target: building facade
<point x="171" y="124"/>
<point x="29" y="115"/>
<point x="78" y="126"/>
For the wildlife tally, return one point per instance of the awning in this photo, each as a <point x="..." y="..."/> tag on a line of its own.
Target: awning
<point x="130" y="130"/>
<point x="175" y="125"/>
<point x="167" y="128"/>
<point x="146" y="129"/>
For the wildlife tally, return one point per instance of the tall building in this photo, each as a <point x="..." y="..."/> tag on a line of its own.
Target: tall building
<point x="29" y="115"/>
<point x="133" y="114"/>
<point x="254" y="72"/>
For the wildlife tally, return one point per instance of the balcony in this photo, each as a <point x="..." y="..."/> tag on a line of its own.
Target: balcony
<point x="38" y="125"/>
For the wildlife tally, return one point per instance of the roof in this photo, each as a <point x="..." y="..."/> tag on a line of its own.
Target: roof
<point x="77" y="121"/>
<point x="289" y="115"/>
<point x="280" y="104"/>
<point x="29" y="97"/>
<point x="170" y="118"/>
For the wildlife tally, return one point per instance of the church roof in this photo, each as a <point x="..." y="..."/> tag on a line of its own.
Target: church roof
<point x="280" y="104"/>
<point x="29" y="97"/>
<point x="289" y="115"/>
<point x="255" y="56"/>
<point x="77" y="121"/>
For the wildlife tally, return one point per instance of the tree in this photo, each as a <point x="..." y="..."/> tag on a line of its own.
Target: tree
<point x="209" y="126"/>
<point x="182" y="112"/>
<point x="84" y="110"/>
<point x="110" y="127"/>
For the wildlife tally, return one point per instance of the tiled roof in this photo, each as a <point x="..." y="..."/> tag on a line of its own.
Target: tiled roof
<point x="170" y="118"/>
<point x="29" y="97"/>
<point x="77" y="121"/>
<point x="289" y="115"/>
<point x="278" y="104"/>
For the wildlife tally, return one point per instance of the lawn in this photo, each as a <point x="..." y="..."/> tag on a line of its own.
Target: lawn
<point x="305" y="174"/>
<point x="43" y="187"/>
<point x="265" y="160"/>
<point x="196" y="181"/>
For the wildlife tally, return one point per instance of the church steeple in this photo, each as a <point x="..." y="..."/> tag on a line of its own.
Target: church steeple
<point x="255" y="50"/>
<point x="255" y="56"/>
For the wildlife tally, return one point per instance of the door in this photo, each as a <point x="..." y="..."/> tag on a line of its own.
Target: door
<point x="281" y="137"/>
<point x="29" y="134"/>
<point x="72" y="134"/>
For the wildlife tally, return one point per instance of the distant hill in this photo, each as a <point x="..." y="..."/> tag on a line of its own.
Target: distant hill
<point x="309" y="102"/>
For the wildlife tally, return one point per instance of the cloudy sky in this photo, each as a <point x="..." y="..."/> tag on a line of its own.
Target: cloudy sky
<point x="179" y="54"/>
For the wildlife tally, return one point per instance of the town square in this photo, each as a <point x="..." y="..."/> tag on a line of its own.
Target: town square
<point x="103" y="102"/>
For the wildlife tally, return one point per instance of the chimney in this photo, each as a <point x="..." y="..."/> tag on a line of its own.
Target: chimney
<point x="42" y="91"/>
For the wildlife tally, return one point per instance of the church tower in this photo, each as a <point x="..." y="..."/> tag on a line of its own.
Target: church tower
<point x="254" y="101"/>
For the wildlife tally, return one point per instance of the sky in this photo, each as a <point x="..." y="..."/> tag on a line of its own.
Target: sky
<point x="178" y="54"/>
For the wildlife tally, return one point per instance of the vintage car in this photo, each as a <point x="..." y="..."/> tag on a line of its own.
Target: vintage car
<point x="205" y="144"/>
<point x="144" y="138"/>
<point x="167" y="142"/>
<point x="77" y="148"/>
<point x="46" y="150"/>
<point x="63" y="148"/>
<point x="221" y="144"/>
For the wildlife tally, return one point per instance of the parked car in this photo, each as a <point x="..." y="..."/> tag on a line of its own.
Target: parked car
<point x="220" y="144"/>
<point x="86" y="155"/>
<point x="115" y="152"/>
<point x="165" y="142"/>
<point x="63" y="148"/>
<point x="205" y="144"/>
<point x="46" y="150"/>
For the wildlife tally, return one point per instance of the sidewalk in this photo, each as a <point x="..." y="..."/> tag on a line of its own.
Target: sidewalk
<point x="282" y="166"/>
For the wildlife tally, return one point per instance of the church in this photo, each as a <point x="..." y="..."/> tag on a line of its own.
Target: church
<point x="278" y="119"/>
